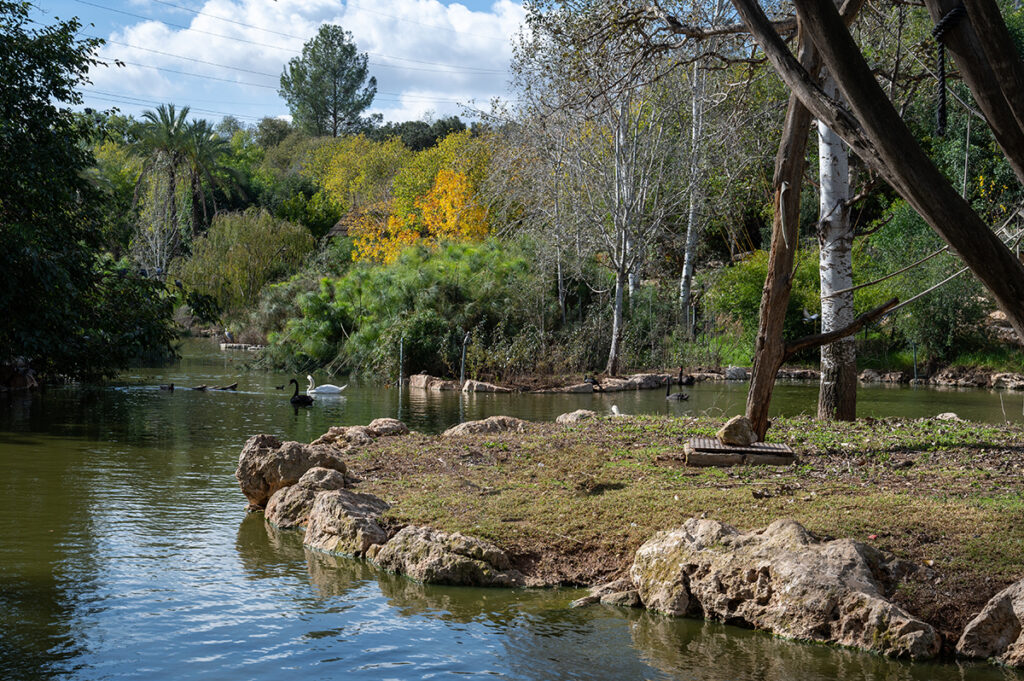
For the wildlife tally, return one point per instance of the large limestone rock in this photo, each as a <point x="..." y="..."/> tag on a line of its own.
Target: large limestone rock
<point x="446" y="558"/>
<point x="491" y="424"/>
<point x="869" y="376"/>
<point x="620" y="592"/>
<point x="289" y="507"/>
<point x="782" y="580"/>
<point x="998" y="630"/>
<point x="267" y="465"/>
<point x="425" y="382"/>
<point x="578" y="388"/>
<point x="614" y="385"/>
<point x="1007" y="381"/>
<point x="736" y="374"/>
<point x="471" y="386"/>
<point x="387" y="427"/>
<point x="737" y="431"/>
<point x="575" y="416"/>
<point x="650" y="381"/>
<point x="346" y="523"/>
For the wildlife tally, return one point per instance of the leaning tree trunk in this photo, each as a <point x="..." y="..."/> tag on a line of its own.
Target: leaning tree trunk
<point x="837" y="395"/>
<point x="612" y="369"/>
<point x="769" y="346"/>
<point x="873" y="128"/>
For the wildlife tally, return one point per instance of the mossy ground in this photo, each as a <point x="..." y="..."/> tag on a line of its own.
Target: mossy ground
<point x="572" y="504"/>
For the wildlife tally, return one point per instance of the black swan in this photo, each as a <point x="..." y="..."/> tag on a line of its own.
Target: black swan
<point x="669" y="395"/>
<point x="300" y="400"/>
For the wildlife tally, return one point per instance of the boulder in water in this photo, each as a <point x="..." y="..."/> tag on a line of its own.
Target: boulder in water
<point x="437" y="557"/>
<point x="783" y="580"/>
<point x="289" y="507"/>
<point x="267" y="465"/>
<point x="345" y="523"/>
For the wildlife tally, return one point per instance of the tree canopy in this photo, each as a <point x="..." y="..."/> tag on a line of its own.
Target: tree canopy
<point x="327" y="88"/>
<point x="68" y="309"/>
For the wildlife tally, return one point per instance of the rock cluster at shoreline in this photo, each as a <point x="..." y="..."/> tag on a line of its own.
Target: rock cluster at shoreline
<point x="780" y="579"/>
<point x="304" y="487"/>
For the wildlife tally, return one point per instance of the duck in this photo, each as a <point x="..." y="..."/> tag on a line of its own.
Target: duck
<point x="327" y="388"/>
<point x="300" y="400"/>
<point x="679" y="396"/>
<point x="169" y="386"/>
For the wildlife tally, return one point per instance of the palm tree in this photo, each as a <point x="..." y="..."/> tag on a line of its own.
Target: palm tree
<point x="203" y="152"/>
<point x="162" y="144"/>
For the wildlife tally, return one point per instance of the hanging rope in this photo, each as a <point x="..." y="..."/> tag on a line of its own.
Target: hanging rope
<point x="945" y="23"/>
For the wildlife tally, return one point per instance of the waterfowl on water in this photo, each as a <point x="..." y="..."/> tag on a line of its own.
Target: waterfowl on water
<point x="300" y="400"/>
<point x="679" y="396"/>
<point x="314" y="389"/>
<point x="169" y="386"/>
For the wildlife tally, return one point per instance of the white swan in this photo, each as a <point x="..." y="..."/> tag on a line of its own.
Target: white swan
<point x="323" y="389"/>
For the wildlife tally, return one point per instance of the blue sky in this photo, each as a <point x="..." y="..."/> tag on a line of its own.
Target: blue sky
<point x="223" y="57"/>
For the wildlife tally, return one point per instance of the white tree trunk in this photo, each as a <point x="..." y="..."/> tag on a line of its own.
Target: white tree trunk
<point x="837" y="397"/>
<point x="692" y="226"/>
<point x="612" y="368"/>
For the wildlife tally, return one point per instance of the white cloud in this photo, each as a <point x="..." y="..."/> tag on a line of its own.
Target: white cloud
<point x="425" y="55"/>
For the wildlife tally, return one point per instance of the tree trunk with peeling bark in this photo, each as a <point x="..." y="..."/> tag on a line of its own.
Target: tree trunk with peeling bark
<point x="769" y="346"/>
<point x="837" y="394"/>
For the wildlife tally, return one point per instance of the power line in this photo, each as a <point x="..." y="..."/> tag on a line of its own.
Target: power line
<point x="237" y="68"/>
<point x="230" y="21"/>
<point x="136" y="101"/>
<point x="184" y="73"/>
<point x="402" y="95"/>
<point x="184" y="28"/>
<point x="276" y="47"/>
<point x="192" y="59"/>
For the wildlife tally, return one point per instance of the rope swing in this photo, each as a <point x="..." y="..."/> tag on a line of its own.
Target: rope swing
<point x="952" y="17"/>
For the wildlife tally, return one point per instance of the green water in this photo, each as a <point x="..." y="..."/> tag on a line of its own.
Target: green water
<point x="125" y="552"/>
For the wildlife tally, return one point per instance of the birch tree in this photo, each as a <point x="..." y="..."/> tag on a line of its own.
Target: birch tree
<point x="837" y="396"/>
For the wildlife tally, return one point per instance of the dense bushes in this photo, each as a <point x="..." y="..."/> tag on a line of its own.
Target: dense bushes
<point x="430" y="297"/>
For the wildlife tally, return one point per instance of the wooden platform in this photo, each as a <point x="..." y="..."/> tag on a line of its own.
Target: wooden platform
<point x="708" y="451"/>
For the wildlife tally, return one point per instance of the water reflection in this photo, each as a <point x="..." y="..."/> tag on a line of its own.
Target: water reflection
<point x="126" y="553"/>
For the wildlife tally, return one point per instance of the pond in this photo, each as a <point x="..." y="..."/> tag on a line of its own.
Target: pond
<point x="127" y="554"/>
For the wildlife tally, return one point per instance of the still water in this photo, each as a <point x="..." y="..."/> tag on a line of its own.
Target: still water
<point x="125" y="552"/>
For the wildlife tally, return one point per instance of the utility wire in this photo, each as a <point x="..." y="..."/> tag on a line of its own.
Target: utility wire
<point x="468" y="69"/>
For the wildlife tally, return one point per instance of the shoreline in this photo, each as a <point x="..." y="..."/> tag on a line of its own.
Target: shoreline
<point x="570" y="505"/>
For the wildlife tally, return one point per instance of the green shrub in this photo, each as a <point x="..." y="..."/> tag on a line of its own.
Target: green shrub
<point x="240" y="254"/>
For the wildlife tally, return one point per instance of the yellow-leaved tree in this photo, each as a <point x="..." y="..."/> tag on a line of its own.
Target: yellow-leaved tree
<point x="433" y="197"/>
<point x="450" y="211"/>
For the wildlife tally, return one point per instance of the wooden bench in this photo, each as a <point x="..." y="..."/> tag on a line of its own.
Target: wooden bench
<point x="708" y="451"/>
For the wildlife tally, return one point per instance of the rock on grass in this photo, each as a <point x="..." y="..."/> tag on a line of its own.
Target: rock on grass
<point x="783" y="580"/>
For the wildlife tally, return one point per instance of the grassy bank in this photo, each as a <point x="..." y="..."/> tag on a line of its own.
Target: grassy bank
<point x="572" y="504"/>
